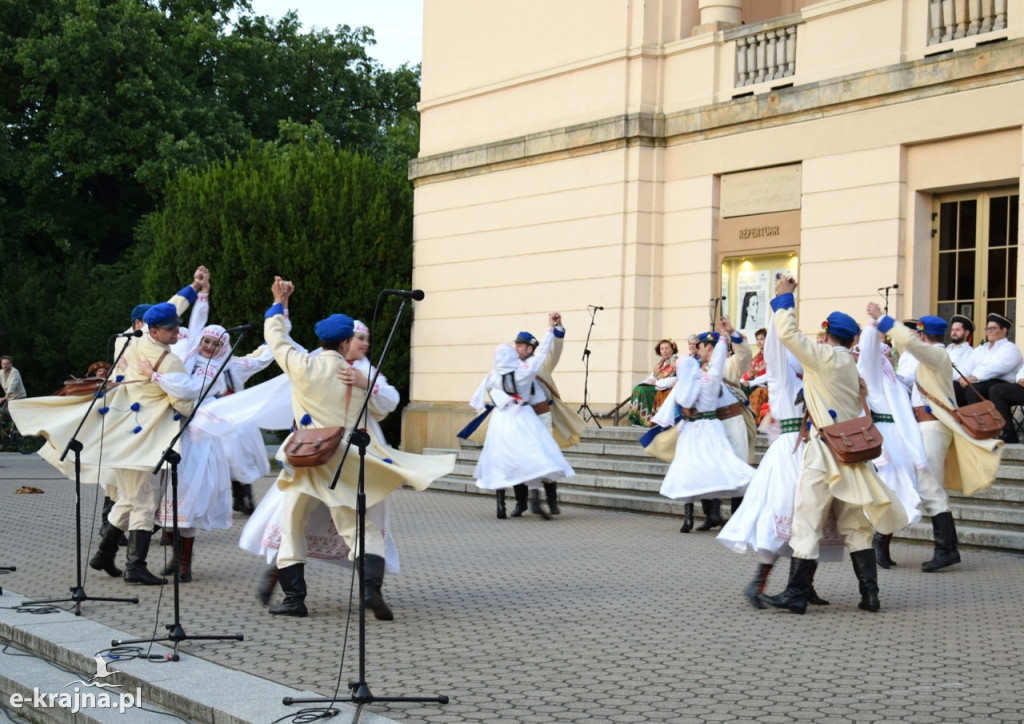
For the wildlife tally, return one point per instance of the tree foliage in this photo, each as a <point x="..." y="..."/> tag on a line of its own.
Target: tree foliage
<point x="104" y="104"/>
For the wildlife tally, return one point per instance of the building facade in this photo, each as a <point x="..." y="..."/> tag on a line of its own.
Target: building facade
<point x="635" y="164"/>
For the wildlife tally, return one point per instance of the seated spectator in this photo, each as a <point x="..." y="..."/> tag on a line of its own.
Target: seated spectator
<point x="649" y="394"/>
<point x="756" y="388"/>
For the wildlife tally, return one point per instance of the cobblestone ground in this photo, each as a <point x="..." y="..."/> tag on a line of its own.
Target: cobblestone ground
<point x="597" y="615"/>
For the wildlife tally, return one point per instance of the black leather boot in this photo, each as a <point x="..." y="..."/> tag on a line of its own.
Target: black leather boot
<point x="108" y="505"/>
<point x="138" y="548"/>
<point x="182" y="561"/>
<point x="946" y="553"/>
<point x="880" y="544"/>
<point x="103" y="558"/>
<point x="794" y="598"/>
<point x="535" y="507"/>
<point x="268" y="582"/>
<point x="712" y="514"/>
<point x="521" y="493"/>
<point x="867" y="575"/>
<point x="293" y="583"/>
<point x="501" y="504"/>
<point x="813" y="598"/>
<point x="242" y="495"/>
<point x="687" y="518"/>
<point x="734" y="505"/>
<point x="374" y="579"/>
<point x="755" y="588"/>
<point x="551" y="493"/>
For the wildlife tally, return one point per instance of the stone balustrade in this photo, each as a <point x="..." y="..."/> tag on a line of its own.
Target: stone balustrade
<point x="765" y="54"/>
<point x="953" y="19"/>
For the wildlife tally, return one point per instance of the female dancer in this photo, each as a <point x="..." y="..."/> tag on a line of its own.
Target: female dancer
<point x="204" y="487"/>
<point x="903" y="457"/>
<point x="705" y="464"/>
<point x="518" y="448"/>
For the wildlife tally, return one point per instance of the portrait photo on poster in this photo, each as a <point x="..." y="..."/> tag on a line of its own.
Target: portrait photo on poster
<point x="752" y="294"/>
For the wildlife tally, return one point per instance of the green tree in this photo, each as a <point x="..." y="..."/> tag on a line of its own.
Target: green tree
<point x="336" y="222"/>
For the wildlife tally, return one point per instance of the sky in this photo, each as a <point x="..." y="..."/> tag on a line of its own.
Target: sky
<point x="397" y="24"/>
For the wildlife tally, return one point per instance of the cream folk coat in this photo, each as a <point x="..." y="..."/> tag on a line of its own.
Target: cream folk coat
<point x="831" y="382"/>
<point x="971" y="465"/>
<point x="317" y="391"/>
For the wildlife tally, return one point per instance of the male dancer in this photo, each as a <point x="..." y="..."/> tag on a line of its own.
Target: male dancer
<point x="955" y="460"/>
<point x="831" y="394"/>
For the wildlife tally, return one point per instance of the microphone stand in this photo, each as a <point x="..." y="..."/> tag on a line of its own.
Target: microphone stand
<point x="585" y="408"/>
<point x="886" y="290"/>
<point x="176" y="632"/>
<point x="360" y="691"/>
<point x="78" y="594"/>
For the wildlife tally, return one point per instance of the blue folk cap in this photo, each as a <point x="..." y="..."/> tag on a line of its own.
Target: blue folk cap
<point x="841" y="326"/>
<point x="526" y="338"/>
<point x="162" y="316"/>
<point x="139" y="310"/>
<point x="711" y="337"/>
<point x="336" y="328"/>
<point x="932" y="326"/>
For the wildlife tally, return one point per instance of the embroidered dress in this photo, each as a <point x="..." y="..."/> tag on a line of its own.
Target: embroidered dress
<point x="649" y="395"/>
<point x="903" y="453"/>
<point x="208" y="462"/>
<point x="518" y="448"/>
<point x="764" y="523"/>
<point x="705" y="464"/>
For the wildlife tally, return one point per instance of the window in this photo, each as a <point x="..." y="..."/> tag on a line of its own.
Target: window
<point x="976" y="255"/>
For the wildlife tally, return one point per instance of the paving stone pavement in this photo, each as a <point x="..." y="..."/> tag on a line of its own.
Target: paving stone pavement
<point x="597" y="615"/>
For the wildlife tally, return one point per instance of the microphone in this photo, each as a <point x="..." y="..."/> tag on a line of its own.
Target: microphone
<point x="242" y="328"/>
<point x="894" y="286"/>
<point x="135" y="333"/>
<point x="416" y="294"/>
<point x="592" y="306"/>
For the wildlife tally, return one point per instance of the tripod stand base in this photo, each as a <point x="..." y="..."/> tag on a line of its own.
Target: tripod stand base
<point x="585" y="409"/>
<point x="78" y="597"/>
<point x="177" y="635"/>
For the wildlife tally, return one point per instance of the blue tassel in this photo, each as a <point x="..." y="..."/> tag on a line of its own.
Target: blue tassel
<point x="306" y="419"/>
<point x="389" y="461"/>
<point x="136" y="407"/>
<point x="177" y="416"/>
<point x="101" y="393"/>
<point x="808" y="426"/>
<point x="119" y="378"/>
<point x="928" y="409"/>
<point x="137" y="430"/>
<point x="103" y="410"/>
<point x="832" y="413"/>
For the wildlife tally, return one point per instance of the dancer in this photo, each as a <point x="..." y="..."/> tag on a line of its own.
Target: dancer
<point x="518" y="448"/>
<point x="204" y="489"/>
<point x="320" y="399"/>
<point x="763" y="524"/>
<point x="956" y="461"/>
<point x="903" y="460"/>
<point x="831" y="394"/>
<point x="705" y="464"/>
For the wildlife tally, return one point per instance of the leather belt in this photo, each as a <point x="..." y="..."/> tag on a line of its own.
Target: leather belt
<point x="541" y="407"/>
<point x="733" y="410"/>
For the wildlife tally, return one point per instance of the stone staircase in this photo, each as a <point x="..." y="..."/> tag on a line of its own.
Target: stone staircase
<point x="613" y="471"/>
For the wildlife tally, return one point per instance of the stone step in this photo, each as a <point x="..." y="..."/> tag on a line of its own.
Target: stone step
<point x="613" y="471"/>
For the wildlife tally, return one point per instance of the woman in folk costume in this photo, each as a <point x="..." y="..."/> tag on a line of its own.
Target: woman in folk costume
<point x="204" y="482"/>
<point x="705" y="464"/>
<point x="262" y="532"/>
<point x="649" y="395"/>
<point x="763" y="523"/>
<point x="903" y="457"/>
<point x="518" y="449"/>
